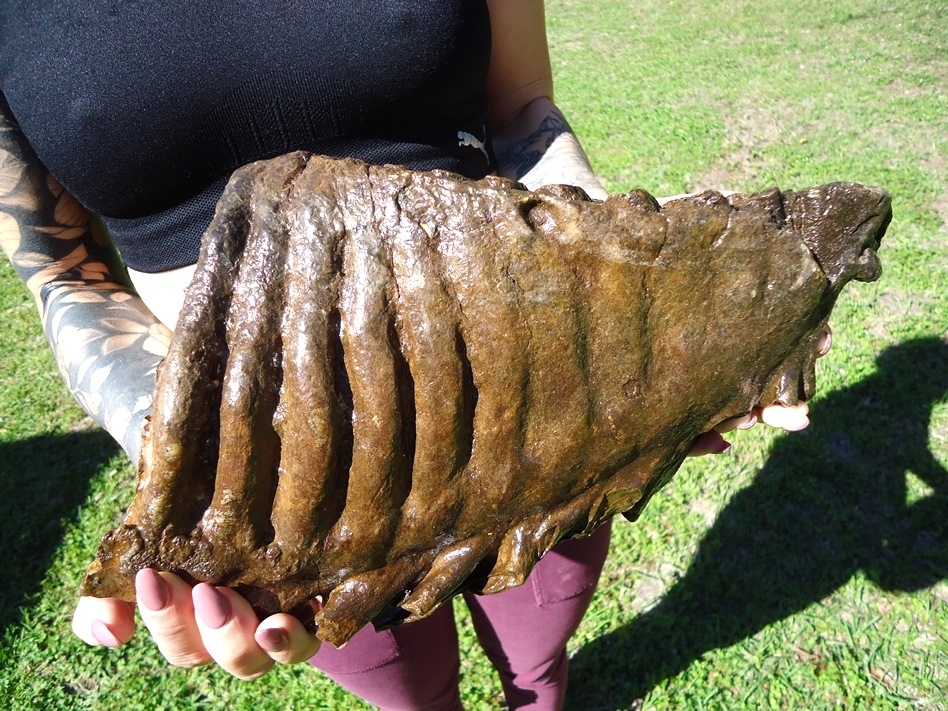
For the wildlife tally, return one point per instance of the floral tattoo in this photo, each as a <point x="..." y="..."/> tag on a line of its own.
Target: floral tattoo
<point x="107" y="343"/>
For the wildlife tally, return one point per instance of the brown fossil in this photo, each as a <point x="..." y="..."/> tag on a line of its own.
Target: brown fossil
<point x="386" y="386"/>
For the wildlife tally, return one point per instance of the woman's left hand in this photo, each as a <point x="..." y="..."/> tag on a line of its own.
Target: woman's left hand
<point x="193" y="626"/>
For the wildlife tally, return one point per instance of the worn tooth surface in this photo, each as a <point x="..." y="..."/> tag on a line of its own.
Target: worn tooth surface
<point x="388" y="386"/>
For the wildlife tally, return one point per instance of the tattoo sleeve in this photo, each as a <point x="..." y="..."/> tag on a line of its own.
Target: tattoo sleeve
<point x="539" y="148"/>
<point x="106" y="341"/>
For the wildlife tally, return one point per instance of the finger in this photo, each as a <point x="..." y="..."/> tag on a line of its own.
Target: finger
<point x="709" y="443"/>
<point x="825" y="343"/>
<point x="227" y="624"/>
<point x="103" y="621"/>
<point x="285" y="640"/>
<point x="164" y="603"/>
<point x="790" y="418"/>
<point x="744" y="422"/>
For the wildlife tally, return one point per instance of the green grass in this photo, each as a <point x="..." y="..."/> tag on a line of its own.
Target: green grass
<point x="798" y="571"/>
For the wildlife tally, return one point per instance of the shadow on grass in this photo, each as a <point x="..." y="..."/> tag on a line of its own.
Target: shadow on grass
<point x="43" y="480"/>
<point x="830" y="501"/>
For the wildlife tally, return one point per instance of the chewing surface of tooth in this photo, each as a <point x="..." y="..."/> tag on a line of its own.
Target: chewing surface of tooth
<point x="388" y="386"/>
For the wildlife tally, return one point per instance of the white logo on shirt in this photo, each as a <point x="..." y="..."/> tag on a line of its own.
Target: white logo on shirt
<point x="469" y="139"/>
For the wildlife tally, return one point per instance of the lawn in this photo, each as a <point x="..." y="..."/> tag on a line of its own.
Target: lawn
<point x="798" y="571"/>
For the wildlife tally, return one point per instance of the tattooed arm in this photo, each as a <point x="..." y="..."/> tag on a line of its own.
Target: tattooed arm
<point x="532" y="141"/>
<point x="106" y="342"/>
<point x="108" y="345"/>
<point x="539" y="148"/>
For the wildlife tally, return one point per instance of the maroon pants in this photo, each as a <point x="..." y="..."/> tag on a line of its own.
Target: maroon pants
<point x="523" y="631"/>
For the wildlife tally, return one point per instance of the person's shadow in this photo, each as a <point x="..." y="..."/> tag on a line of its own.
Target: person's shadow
<point x="830" y="501"/>
<point x="43" y="482"/>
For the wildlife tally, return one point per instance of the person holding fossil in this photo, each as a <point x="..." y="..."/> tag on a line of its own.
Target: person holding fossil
<point x="119" y="126"/>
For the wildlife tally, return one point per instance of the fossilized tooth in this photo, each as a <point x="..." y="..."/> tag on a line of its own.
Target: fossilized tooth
<point x="387" y="386"/>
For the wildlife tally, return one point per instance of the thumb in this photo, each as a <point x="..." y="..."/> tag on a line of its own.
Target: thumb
<point x="104" y="622"/>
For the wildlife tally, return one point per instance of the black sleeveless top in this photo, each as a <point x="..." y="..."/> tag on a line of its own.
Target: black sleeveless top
<point x="143" y="108"/>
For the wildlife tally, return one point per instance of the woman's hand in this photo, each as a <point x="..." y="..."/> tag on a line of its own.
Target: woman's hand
<point x="789" y="418"/>
<point x="193" y="626"/>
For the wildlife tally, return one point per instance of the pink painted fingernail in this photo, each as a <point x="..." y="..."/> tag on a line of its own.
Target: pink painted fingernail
<point x="153" y="591"/>
<point x="798" y="426"/>
<point x="272" y="639"/>
<point x="751" y="421"/>
<point x="211" y="606"/>
<point x="103" y="635"/>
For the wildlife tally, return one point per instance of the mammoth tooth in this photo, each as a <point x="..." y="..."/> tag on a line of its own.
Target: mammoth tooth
<point x="388" y="386"/>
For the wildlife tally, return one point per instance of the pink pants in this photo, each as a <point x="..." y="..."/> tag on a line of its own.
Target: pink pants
<point x="523" y="631"/>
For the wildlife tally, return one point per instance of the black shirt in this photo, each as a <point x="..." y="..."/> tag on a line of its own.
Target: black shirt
<point x="143" y="108"/>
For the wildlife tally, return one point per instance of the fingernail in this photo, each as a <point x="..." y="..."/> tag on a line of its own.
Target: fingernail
<point x="103" y="635"/>
<point x="722" y="447"/>
<point x="211" y="606"/>
<point x="751" y="421"/>
<point x="153" y="591"/>
<point x="272" y="639"/>
<point x="799" y="425"/>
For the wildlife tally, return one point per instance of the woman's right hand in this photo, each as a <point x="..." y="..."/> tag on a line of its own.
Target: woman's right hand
<point x="789" y="418"/>
<point x="193" y="626"/>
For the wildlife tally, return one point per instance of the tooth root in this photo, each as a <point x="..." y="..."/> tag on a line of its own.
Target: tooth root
<point x="515" y="558"/>
<point x="808" y="383"/>
<point x="363" y="597"/>
<point x="785" y="387"/>
<point x="315" y="400"/>
<point x="525" y="544"/>
<point x="120" y="554"/>
<point x="808" y="369"/>
<point x="450" y="569"/>
<point x="239" y="514"/>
